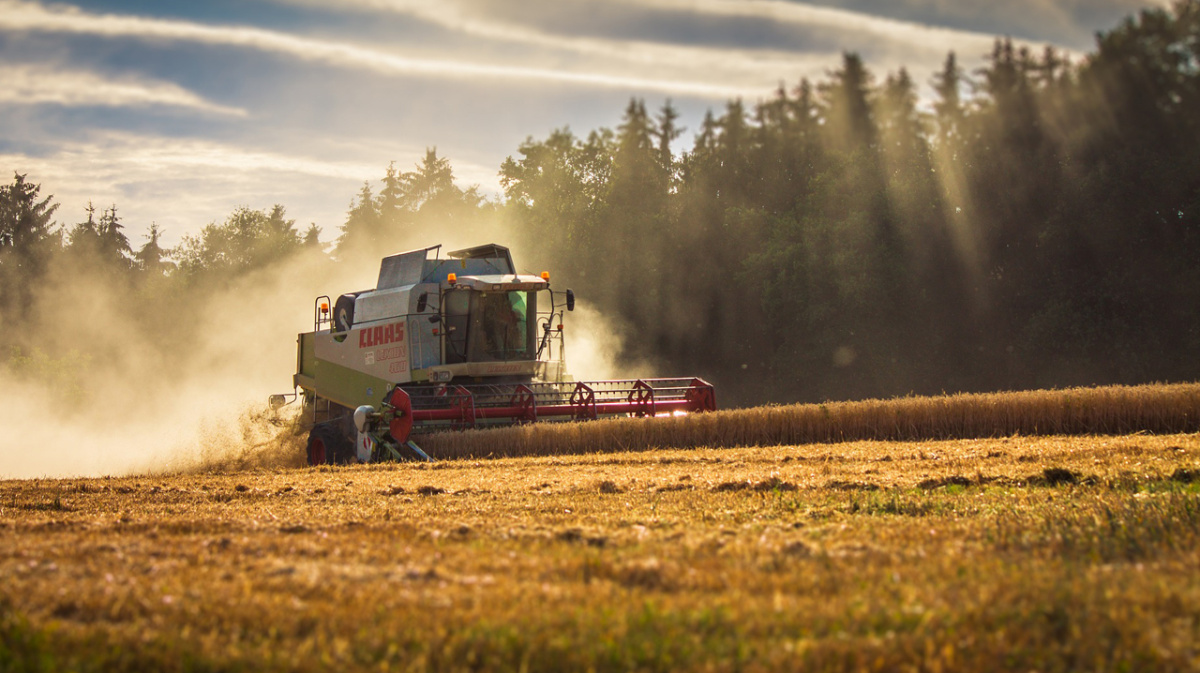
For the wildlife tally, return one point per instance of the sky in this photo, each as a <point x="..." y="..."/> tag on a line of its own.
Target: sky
<point x="178" y="112"/>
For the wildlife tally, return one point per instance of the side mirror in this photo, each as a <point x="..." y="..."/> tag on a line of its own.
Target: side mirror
<point x="422" y="302"/>
<point x="570" y="300"/>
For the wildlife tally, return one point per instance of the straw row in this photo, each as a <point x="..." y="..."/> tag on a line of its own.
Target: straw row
<point x="1112" y="410"/>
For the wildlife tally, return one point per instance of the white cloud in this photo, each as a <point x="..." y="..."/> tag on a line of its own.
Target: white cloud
<point x="182" y="184"/>
<point x="35" y="84"/>
<point x="1065" y="23"/>
<point x="814" y="16"/>
<point x="724" y="65"/>
<point x="18" y="15"/>
<point x="748" y="71"/>
<point x="471" y="20"/>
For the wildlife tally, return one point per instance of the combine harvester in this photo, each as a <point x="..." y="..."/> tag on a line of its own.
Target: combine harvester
<point x="444" y="344"/>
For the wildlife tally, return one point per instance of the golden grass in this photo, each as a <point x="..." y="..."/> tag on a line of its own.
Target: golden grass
<point x="1113" y="410"/>
<point x="1006" y="554"/>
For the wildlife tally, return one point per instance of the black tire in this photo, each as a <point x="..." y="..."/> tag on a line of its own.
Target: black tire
<point x="328" y="446"/>
<point x="343" y="313"/>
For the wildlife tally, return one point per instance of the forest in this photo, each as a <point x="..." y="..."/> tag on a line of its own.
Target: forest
<point x="1036" y="223"/>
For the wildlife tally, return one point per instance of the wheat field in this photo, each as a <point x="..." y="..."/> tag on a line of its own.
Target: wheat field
<point x="1112" y="410"/>
<point x="1011" y="553"/>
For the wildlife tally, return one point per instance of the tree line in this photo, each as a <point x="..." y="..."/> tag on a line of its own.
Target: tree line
<point x="1036" y="224"/>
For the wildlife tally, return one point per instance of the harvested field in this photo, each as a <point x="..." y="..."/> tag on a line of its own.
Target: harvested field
<point x="1014" y="553"/>
<point x="1112" y="410"/>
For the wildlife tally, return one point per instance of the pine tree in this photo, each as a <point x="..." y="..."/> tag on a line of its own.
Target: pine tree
<point x="432" y="184"/>
<point x="27" y="244"/>
<point x="151" y="258"/>
<point x="849" y="124"/>
<point x="667" y="131"/>
<point x="280" y="238"/>
<point x="84" y="237"/>
<point x="312" y="238"/>
<point x="804" y="108"/>
<point x="948" y="108"/>
<point x="706" y="140"/>
<point x="900" y="124"/>
<point x="363" y="223"/>
<point x="393" y="203"/>
<point x="114" y="245"/>
<point x="636" y="208"/>
<point x="25" y="223"/>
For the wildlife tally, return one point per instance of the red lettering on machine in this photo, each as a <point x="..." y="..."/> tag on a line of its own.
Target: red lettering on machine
<point x="382" y="335"/>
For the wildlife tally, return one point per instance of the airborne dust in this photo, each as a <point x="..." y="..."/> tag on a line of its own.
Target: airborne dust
<point x="110" y="382"/>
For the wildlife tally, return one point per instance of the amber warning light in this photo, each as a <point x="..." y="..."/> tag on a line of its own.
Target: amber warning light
<point x="452" y="278"/>
<point x="324" y="307"/>
<point x="546" y="276"/>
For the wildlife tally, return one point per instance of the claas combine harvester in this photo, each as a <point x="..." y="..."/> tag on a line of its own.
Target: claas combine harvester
<point x="452" y="343"/>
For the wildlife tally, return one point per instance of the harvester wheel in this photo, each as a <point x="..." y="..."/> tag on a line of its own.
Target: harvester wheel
<point x="327" y="446"/>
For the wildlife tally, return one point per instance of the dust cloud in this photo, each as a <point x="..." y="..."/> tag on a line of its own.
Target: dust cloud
<point x="124" y="384"/>
<point x="119" y="380"/>
<point x="593" y="345"/>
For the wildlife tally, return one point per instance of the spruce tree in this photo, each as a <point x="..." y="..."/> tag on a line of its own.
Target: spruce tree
<point x="151" y="258"/>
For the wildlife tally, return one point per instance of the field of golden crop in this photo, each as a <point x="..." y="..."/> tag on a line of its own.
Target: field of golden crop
<point x="1108" y="410"/>
<point x="1013" y="554"/>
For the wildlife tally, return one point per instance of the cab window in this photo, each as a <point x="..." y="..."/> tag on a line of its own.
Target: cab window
<point x="506" y="325"/>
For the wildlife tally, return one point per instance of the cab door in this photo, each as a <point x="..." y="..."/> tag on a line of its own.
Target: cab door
<point x="457" y="324"/>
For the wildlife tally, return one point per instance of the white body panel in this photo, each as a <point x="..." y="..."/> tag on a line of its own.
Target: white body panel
<point x="380" y="350"/>
<point x="377" y="305"/>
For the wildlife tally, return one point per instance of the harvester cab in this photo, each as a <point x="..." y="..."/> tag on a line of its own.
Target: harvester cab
<point x="451" y="343"/>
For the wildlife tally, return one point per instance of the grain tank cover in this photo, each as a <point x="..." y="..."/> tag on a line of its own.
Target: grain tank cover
<point x="497" y="255"/>
<point x="405" y="268"/>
